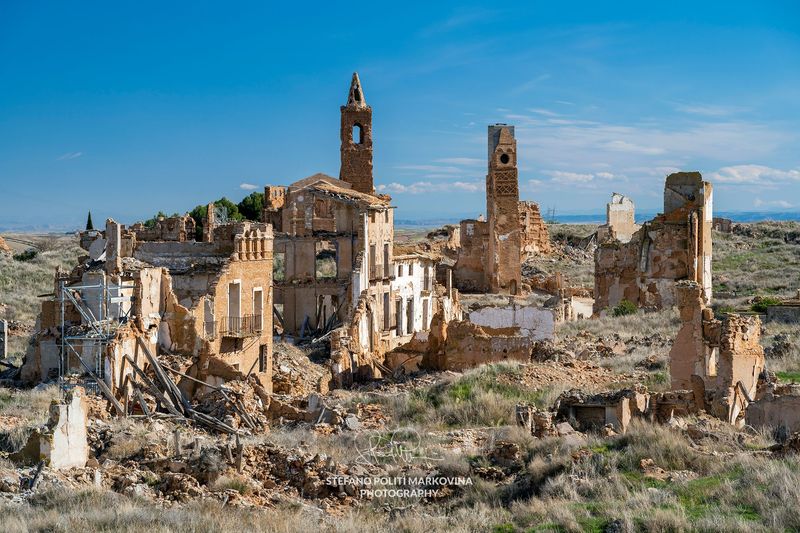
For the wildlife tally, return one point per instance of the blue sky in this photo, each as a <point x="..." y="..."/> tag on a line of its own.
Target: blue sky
<point x="129" y="108"/>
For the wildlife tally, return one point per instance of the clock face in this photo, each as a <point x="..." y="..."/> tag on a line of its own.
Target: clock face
<point x="504" y="158"/>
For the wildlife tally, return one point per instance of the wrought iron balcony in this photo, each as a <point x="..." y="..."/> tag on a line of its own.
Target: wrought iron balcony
<point x="235" y="326"/>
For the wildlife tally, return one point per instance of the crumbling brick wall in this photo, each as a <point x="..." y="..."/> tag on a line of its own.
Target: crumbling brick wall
<point x="176" y="228"/>
<point x="459" y="345"/>
<point x="675" y="245"/>
<point x="721" y="360"/>
<point x="534" y="238"/>
<point x="470" y="270"/>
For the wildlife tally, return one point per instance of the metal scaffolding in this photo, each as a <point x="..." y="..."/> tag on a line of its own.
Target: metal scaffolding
<point x="102" y="308"/>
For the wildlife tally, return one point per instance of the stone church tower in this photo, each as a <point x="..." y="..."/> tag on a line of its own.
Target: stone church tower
<point x="502" y="209"/>
<point x="356" y="139"/>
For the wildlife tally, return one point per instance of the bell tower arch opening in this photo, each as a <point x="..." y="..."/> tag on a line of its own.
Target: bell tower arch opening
<point x="356" y="140"/>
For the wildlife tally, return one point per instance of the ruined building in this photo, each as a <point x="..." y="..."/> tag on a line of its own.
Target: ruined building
<point x="490" y="252"/>
<point x="620" y="224"/>
<point x="675" y="245"/>
<point x="335" y="266"/>
<point x="356" y="140"/>
<point x="721" y="360"/>
<point x="143" y="291"/>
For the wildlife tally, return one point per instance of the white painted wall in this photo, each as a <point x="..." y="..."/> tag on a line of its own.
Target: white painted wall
<point x="537" y="323"/>
<point x="410" y="286"/>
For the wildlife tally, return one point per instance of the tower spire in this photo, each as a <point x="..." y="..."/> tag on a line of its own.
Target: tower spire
<point x="355" y="97"/>
<point x="356" y="140"/>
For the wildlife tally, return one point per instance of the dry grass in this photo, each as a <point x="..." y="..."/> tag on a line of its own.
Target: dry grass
<point x="665" y="322"/>
<point x="30" y="405"/>
<point x="763" y="264"/>
<point x="22" y="281"/>
<point x="32" y="409"/>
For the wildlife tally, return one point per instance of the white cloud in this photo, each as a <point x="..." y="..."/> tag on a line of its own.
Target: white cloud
<point x="560" y="176"/>
<point x="625" y="146"/>
<point x="783" y="204"/>
<point x="464" y="161"/>
<point x="708" y="110"/>
<point x="430" y="168"/>
<point x="533" y="185"/>
<point x="70" y="155"/>
<point x="423" y="187"/>
<point x="248" y="186"/>
<point x="531" y="84"/>
<point x="754" y="174"/>
<point x="545" y="112"/>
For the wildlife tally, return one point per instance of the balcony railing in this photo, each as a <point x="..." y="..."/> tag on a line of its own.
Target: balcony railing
<point x="380" y="271"/>
<point x="235" y="326"/>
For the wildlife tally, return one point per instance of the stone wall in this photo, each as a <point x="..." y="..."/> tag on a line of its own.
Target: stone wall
<point x="534" y="237"/>
<point x="721" y="360"/>
<point x="537" y="323"/>
<point x="460" y="345"/>
<point x="620" y="220"/>
<point x="673" y="246"/>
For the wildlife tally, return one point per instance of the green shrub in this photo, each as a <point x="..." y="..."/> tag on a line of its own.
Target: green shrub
<point x="27" y="255"/>
<point x="723" y="310"/>
<point x="625" y="307"/>
<point x="761" y="303"/>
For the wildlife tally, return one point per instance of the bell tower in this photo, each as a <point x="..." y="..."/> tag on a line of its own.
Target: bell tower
<point x="502" y="210"/>
<point x="356" y="140"/>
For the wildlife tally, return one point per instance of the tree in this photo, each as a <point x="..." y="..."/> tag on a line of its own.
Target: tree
<point x="233" y="209"/>
<point x="151" y="222"/>
<point x="89" y="225"/>
<point x="199" y="214"/>
<point x="250" y="207"/>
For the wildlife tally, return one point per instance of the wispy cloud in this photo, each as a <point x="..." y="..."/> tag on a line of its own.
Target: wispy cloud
<point x="70" y="155"/>
<point x="545" y="112"/>
<point x="571" y="178"/>
<point x="782" y="204"/>
<point x="463" y="161"/>
<point x="460" y="19"/>
<point x="708" y="110"/>
<point x="625" y="146"/>
<point x="248" y="186"/>
<point x="530" y="84"/>
<point x="430" y="168"/>
<point x="423" y="187"/>
<point x="754" y="174"/>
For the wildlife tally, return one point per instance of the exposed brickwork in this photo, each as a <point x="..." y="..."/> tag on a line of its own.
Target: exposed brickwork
<point x="502" y="207"/>
<point x="675" y="245"/>
<point x="356" y="140"/>
<point x="534" y="237"/>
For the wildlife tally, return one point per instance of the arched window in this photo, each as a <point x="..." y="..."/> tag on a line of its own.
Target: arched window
<point x="358" y="134"/>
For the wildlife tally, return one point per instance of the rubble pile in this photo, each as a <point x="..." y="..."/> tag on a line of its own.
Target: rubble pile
<point x="294" y="373"/>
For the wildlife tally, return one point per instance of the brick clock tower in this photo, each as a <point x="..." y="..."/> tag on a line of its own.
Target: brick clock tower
<point x="356" y="139"/>
<point x="502" y="210"/>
